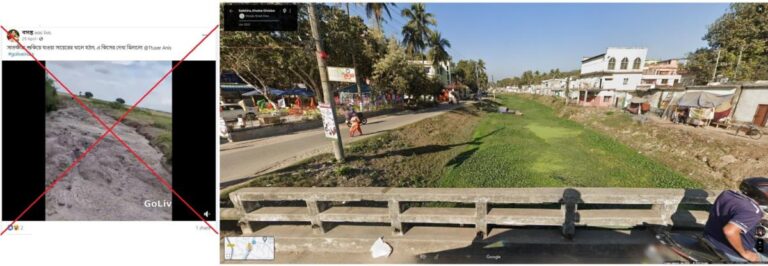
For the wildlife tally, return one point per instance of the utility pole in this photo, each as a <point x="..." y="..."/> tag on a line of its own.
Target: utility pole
<point x="717" y="62"/>
<point x="477" y="79"/>
<point x="567" y="89"/>
<point x="493" y="86"/>
<point x="338" y="150"/>
<point x="354" y="63"/>
<point x="738" y="62"/>
<point x="449" y="73"/>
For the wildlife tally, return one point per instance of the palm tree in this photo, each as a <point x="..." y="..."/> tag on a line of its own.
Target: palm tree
<point x="437" y="50"/>
<point x="416" y="31"/>
<point x="480" y="64"/>
<point x="376" y="12"/>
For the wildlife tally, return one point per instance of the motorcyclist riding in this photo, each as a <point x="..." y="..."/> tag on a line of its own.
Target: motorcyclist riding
<point x="734" y="219"/>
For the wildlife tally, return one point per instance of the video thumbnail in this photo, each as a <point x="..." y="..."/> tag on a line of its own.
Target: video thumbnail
<point x="127" y="177"/>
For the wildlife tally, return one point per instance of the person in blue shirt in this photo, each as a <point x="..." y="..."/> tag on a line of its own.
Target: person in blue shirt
<point x="734" y="218"/>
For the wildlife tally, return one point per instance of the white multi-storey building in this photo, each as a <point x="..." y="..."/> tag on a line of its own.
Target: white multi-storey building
<point x="440" y="72"/>
<point x="660" y="74"/>
<point x="606" y="79"/>
<point x="619" y="69"/>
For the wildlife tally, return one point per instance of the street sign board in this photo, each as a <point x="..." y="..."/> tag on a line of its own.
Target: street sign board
<point x="329" y="123"/>
<point x="342" y="74"/>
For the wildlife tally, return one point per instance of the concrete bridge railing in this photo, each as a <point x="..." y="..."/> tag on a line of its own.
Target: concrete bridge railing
<point x="481" y="207"/>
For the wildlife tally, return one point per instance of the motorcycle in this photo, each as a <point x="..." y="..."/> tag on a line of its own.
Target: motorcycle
<point x="360" y="116"/>
<point x="693" y="248"/>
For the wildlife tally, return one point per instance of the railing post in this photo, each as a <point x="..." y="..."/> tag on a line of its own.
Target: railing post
<point x="481" y="211"/>
<point x="314" y="216"/>
<point x="394" y="216"/>
<point x="666" y="210"/>
<point x="245" y="225"/>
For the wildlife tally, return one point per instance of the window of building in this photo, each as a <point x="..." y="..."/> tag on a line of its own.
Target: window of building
<point x="664" y="81"/>
<point x="636" y="64"/>
<point x="612" y="63"/>
<point x="606" y="99"/>
<point x="626" y="80"/>
<point x="624" y="63"/>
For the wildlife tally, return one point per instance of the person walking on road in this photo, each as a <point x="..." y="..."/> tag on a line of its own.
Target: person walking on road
<point x="356" y="126"/>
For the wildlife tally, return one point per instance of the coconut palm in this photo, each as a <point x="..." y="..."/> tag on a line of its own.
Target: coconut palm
<point x="416" y="31"/>
<point x="480" y="65"/>
<point x="437" y="46"/>
<point x="376" y="12"/>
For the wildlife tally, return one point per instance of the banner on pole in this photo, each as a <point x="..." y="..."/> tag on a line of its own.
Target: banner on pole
<point x="341" y="74"/>
<point x="329" y="123"/>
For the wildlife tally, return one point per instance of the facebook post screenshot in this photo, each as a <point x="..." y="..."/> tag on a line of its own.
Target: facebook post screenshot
<point x="108" y="134"/>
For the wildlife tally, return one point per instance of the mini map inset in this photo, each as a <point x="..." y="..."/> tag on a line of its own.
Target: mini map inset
<point x="260" y="17"/>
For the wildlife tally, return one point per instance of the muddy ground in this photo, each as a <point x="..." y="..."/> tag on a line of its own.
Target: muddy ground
<point x="109" y="184"/>
<point x="714" y="157"/>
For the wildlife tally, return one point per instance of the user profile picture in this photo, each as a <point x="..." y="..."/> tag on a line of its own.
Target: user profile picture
<point x="241" y="16"/>
<point x="13" y="35"/>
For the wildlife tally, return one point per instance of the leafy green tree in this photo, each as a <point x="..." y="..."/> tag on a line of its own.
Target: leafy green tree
<point x="283" y="59"/>
<point x="416" y="31"/>
<point x="700" y="65"/>
<point x="390" y="73"/>
<point x="472" y="73"/>
<point x="394" y="72"/>
<point x="530" y="77"/>
<point x="88" y="95"/>
<point x="51" y="97"/>
<point x="740" y="35"/>
<point x="120" y="101"/>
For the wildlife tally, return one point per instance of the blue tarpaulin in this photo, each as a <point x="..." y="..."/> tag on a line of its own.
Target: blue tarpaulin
<point x="299" y="92"/>
<point x="353" y="88"/>
<point x="272" y="93"/>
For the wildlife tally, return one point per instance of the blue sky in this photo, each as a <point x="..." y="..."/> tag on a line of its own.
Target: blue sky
<point x="109" y="80"/>
<point x="513" y="38"/>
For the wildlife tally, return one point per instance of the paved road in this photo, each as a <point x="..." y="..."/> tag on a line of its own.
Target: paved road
<point x="241" y="160"/>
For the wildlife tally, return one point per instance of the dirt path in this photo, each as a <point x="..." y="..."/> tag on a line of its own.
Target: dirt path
<point x="109" y="184"/>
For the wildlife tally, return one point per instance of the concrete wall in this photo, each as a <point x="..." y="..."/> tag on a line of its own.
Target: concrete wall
<point x="273" y="130"/>
<point x="489" y="206"/>
<point x="616" y="81"/>
<point x="281" y="129"/>
<point x="723" y="91"/>
<point x="595" y="65"/>
<point x="657" y="79"/>
<point x="750" y="98"/>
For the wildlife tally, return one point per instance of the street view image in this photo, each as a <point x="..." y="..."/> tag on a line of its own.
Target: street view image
<point x="112" y="185"/>
<point x="493" y="133"/>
